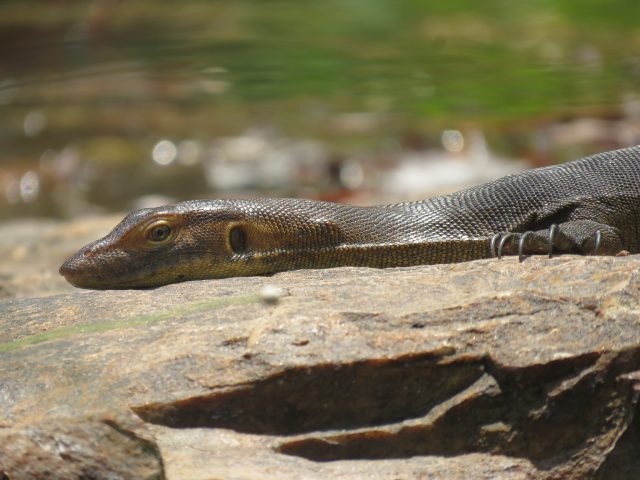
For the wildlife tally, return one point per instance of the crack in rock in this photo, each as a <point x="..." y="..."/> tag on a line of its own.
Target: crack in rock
<point x="564" y="410"/>
<point x="324" y="397"/>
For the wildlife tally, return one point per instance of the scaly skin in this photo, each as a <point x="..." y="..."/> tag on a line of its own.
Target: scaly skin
<point x="224" y="238"/>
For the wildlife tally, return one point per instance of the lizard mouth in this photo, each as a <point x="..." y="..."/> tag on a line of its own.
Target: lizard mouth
<point x="99" y="267"/>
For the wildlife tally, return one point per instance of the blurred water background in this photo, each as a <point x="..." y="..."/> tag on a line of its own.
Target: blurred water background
<point x="110" y="105"/>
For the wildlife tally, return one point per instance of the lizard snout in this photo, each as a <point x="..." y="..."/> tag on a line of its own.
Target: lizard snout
<point x="80" y="267"/>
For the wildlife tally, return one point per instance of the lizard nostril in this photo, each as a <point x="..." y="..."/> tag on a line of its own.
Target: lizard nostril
<point x="77" y="263"/>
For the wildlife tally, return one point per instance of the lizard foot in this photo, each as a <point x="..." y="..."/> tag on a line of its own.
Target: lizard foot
<point x="580" y="236"/>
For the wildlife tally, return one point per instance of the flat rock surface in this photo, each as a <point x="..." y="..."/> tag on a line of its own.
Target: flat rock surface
<point x="486" y="369"/>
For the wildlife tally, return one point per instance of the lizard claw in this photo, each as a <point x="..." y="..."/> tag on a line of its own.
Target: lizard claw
<point x="553" y="230"/>
<point x="503" y="240"/>
<point x="598" y="242"/>
<point x="492" y="246"/>
<point x="523" y="237"/>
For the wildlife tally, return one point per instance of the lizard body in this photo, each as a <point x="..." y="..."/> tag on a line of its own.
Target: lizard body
<point x="594" y="201"/>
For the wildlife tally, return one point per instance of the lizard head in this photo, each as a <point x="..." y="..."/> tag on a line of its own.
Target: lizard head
<point x="152" y="247"/>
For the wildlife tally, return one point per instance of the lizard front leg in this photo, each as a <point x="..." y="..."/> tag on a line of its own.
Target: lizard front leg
<point x="585" y="237"/>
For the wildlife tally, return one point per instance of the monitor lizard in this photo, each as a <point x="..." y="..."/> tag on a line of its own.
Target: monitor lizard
<point x="589" y="206"/>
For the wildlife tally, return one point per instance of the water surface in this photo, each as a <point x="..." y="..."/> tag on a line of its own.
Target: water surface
<point x="105" y="102"/>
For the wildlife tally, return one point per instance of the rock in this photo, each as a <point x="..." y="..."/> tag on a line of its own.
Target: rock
<point x="486" y="369"/>
<point x="98" y="447"/>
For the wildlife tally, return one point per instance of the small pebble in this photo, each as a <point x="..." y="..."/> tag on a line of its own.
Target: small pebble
<point x="271" y="294"/>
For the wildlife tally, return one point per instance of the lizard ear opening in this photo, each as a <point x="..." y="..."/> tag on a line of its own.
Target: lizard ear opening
<point x="238" y="240"/>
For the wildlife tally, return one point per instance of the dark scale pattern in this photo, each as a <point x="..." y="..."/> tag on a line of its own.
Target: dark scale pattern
<point x="596" y="194"/>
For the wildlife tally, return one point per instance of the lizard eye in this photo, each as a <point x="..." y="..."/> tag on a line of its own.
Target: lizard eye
<point x="159" y="232"/>
<point x="238" y="240"/>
